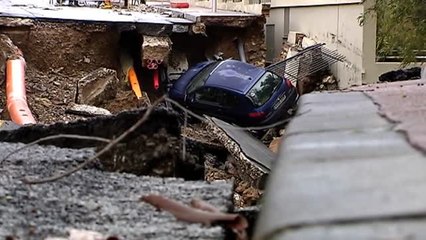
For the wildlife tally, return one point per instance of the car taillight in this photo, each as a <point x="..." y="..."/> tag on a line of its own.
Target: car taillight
<point x="288" y="83"/>
<point x="256" y="114"/>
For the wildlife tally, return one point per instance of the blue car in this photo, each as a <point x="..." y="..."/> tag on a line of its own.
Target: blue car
<point x="236" y="92"/>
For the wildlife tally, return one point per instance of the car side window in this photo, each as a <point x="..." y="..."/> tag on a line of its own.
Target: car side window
<point x="206" y="94"/>
<point x="216" y="96"/>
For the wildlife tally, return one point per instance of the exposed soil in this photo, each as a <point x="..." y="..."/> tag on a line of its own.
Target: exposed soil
<point x="222" y="167"/>
<point x="57" y="56"/>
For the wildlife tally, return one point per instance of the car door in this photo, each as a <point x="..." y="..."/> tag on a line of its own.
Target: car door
<point x="205" y="100"/>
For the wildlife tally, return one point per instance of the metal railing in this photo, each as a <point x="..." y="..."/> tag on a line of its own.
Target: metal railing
<point x="308" y="61"/>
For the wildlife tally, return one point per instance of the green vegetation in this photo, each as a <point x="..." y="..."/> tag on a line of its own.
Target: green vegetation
<point x="401" y="28"/>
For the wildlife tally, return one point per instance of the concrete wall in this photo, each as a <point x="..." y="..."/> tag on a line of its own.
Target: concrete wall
<point x="335" y="23"/>
<point x="337" y="26"/>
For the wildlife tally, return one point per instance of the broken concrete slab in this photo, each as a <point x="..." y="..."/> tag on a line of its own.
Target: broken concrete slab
<point x="153" y="149"/>
<point x="94" y="200"/>
<point x="146" y="23"/>
<point x="253" y="160"/>
<point x="336" y="179"/>
<point x="102" y="126"/>
<point x="209" y="18"/>
<point x="87" y="110"/>
<point x="97" y="87"/>
<point x="156" y="48"/>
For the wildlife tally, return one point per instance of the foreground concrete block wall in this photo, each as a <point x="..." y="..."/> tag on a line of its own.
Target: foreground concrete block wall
<point x="344" y="172"/>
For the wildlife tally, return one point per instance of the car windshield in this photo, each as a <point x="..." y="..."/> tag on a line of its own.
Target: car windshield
<point x="260" y="93"/>
<point x="200" y="79"/>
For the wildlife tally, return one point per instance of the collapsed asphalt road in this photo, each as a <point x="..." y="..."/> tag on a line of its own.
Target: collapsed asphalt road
<point x="92" y="199"/>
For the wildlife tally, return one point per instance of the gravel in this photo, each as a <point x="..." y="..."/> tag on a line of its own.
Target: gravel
<point x="94" y="200"/>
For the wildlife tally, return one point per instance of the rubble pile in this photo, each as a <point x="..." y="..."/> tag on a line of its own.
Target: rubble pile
<point x="318" y="81"/>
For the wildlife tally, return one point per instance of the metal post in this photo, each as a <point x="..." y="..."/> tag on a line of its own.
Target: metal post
<point x="214" y="5"/>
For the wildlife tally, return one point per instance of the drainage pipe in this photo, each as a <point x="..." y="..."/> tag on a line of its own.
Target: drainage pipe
<point x="134" y="82"/>
<point x="241" y="50"/>
<point x="214" y="5"/>
<point x="15" y="92"/>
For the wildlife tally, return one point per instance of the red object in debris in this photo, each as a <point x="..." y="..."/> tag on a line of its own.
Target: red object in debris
<point x="15" y="92"/>
<point x="179" y="5"/>
<point x="288" y="83"/>
<point x="156" y="80"/>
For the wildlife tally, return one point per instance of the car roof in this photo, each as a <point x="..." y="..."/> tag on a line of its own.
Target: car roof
<point x="234" y="75"/>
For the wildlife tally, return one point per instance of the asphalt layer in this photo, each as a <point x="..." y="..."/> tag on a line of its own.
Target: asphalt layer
<point x="94" y="200"/>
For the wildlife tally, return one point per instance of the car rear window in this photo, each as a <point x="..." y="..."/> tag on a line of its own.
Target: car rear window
<point x="260" y="93"/>
<point x="200" y="79"/>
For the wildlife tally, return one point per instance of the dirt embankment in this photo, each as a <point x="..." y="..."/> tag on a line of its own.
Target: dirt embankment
<point x="57" y="56"/>
<point x="225" y="40"/>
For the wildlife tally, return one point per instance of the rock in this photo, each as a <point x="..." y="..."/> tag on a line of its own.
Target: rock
<point x="86" y="110"/>
<point x="97" y="87"/>
<point x="16" y="22"/>
<point x="8" y="50"/>
<point x="307" y="42"/>
<point x="275" y="144"/>
<point x="44" y="101"/>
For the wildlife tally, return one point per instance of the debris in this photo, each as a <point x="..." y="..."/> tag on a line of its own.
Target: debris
<point x="252" y="159"/>
<point x="8" y="125"/>
<point x="177" y="64"/>
<point x="274" y="145"/>
<point x="156" y="48"/>
<point x="97" y="87"/>
<point x="43" y="101"/>
<point x="87" y="110"/>
<point x="199" y="28"/>
<point x="328" y="82"/>
<point x="102" y="150"/>
<point x="307" y="42"/>
<point x="8" y="49"/>
<point x="15" y="22"/>
<point x="401" y="75"/>
<point x="77" y="234"/>
<point x="199" y="212"/>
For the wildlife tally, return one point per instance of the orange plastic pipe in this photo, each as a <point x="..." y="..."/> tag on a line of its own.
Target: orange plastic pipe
<point x="133" y="79"/>
<point x="15" y="92"/>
